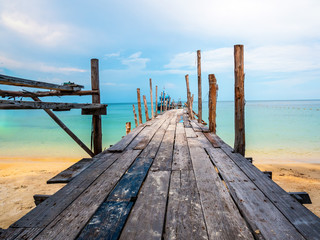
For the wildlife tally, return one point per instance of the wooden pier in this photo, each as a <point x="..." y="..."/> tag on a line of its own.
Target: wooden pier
<point x="169" y="178"/>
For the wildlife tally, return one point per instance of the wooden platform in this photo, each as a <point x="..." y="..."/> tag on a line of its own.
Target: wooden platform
<point x="170" y="179"/>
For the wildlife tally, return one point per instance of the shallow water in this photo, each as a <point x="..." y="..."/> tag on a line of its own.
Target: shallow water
<point x="275" y="131"/>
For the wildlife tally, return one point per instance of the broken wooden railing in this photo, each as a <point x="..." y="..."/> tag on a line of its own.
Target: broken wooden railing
<point x="96" y="109"/>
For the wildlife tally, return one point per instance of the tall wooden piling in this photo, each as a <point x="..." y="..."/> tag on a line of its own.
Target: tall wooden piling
<point x="156" y="113"/>
<point x="199" y="87"/>
<point x="213" y="87"/>
<point x="161" y="102"/>
<point x="164" y="101"/>
<point x="239" y="142"/>
<point x="146" y="108"/>
<point x="135" y="115"/>
<point x="151" y="99"/>
<point x="139" y="105"/>
<point x="96" y="119"/>
<point x="128" y="127"/>
<point x="189" y="97"/>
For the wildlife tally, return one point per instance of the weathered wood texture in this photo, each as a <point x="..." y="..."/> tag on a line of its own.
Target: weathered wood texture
<point x="128" y="127"/>
<point x="212" y="102"/>
<point x="168" y="185"/>
<point x="156" y="112"/>
<point x="10" y="104"/>
<point x="151" y="99"/>
<point x="146" y="108"/>
<point x="199" y="86"/>
<point x="139" y="105"/>
<point x="239" y="102"/>
<point x="161" y="102"/>
<point x="14" y="81"/>
<point x="8" y="93"/>
<point x="71" y="172"/>
<point x="189" y="101"/>
<point x="135" y="115"/>
<point x="96" y="119"/>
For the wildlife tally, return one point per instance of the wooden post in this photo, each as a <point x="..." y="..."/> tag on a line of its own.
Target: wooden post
<point x="128" y="127"/>
<point x="239" y="142"/>
<point x="189" y="97"/>
<point x="161" y="102"/>
<point x="146" y="108"/>
<point x="169" y="103"/>
<point x="151" y="99"/>
<point x="156" y="101"/>
<point x="139" y="105"/>
<point x="199" y="87"/>
<point x="96" y="119"/>
<point x="135" y="115"/>
<point x="164" y="101"/>
<point x="66" y="129"/>
<point x="212" y="102"/>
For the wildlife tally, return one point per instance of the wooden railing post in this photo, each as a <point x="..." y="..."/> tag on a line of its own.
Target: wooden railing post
<point x="96" y="119"/>
<point x="128" y="127"/>
<point x="189" y="97"/>
<point x="199" y="87"/>
<point x="139" y="105"/>
<point x="156" y="113"/>
<point x="239" y="142"/>
<point x="213" y="87"/>
<point x="151" y="99"/>
<point x="135" y="115"/>
<point x="164" y="101"/>
<point x="146" y="108"/>
<point x="161" y="100"/>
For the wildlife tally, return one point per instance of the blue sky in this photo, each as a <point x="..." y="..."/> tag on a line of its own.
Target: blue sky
<point x="53" y="41"/>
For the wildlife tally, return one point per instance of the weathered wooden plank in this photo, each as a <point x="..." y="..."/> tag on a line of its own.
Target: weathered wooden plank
<point x="163" y="159"/>
<point x="39" y="198"/>
<point x="181" y="155"/>
<point x="212" y="140"/>
<point x="9" y="104"/>
<point x="303" y="220"/>
<point x="184" y="219"/>
<point x="125" y="141"/>
<point x="222" y="217"/>
<point x="14" y="81"/>
<point x="148" y="213"/>
<point x="71" y="172"/>
<point x="8" y="93"/>
<point x="252" y="202"/>
<point x="67" y="224"/>
<point x="19" y="233"/>
<point x="190" y="133"/>
<point x="143" y="139"/>
<point x="195" y="126"/>
<point x="107" y="222"/>
<point x="129" y="185"/>
<point x="43" y="214"/>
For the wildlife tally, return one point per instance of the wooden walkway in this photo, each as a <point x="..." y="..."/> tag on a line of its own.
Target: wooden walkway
<point x="169" y="178"/>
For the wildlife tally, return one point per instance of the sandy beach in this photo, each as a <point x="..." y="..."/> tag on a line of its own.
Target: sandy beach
<point x="20" y="180"/>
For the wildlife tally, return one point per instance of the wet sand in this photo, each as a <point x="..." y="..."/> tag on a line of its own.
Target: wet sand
<point x="19" y="181"/>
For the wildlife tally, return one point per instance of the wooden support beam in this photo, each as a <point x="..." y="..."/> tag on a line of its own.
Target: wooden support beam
<point x="146" y="108"/>
<point x="189" y="98"/>
<point x="128" y="127"/>
<point x="161" y="99"/>
<point x="8" y="93"/>
<point x="199" y="86"/>
<point x="39" y="198"/>
<point x="135" y="115"/>
<point x="14" y="81"/>
<point x="151" y="99"/>
<point x="10" y="104"/>
<point x="164" y="101"/>
<point x="301" y="197"/>
<point x="139" y="105"/>
<point x="96" y="119"/>
<point x="239" y="102"/>
<point x="212" y="102"/>
<point x="66" y="129"/>
<point x="156" y="113"/>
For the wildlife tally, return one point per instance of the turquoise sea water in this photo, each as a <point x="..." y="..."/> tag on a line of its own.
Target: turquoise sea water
<point x="275" y="131"/>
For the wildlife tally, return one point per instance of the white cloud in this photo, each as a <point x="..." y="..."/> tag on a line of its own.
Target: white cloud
<point x="35" y="66"/>
<point x="135" y="61"/>
<point x="289" y="58"/>
<point x="110" y="55"/>
<point x="41" y="32"/>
